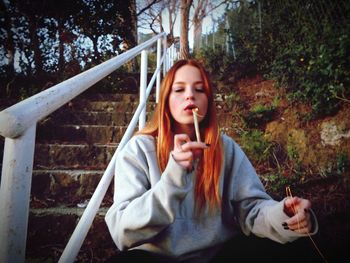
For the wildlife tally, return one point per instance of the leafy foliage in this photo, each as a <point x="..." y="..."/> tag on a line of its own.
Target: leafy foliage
<point x="303" y="45"/>
<point x="45" y="35"/>
<point x="255" y="145"/>
<point x="259" y="114"/>
<point x="48" y="42"/>
<point x="318" y="74"/>
<point x="310" y="62"/>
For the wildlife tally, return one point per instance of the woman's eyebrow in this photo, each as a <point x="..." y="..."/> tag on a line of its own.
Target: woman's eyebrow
<point x="183" y="83"/>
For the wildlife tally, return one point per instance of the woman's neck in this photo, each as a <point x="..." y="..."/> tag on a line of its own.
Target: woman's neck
<point x="187" y="129"/>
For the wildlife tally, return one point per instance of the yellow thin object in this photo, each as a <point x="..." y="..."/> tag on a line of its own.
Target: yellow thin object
<point x="289" y="194"/>
<point x="196" y="125"/>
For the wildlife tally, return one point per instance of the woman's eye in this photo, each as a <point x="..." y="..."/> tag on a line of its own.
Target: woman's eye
<point x="178" y="89"/>
<point x="200" y="89"/>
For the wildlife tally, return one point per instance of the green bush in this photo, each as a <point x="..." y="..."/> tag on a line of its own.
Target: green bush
<point x="216" y="61"/>
<point x="255" y="145"/>
<point x="305" y="50"/>
<point x="258" y="115"/>
<point x="317" y="74"/>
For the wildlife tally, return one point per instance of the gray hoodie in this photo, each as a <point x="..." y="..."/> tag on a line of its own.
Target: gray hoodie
<point x="155" y="211"/>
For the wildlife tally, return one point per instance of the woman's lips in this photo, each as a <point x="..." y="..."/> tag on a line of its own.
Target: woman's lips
<point x="189" y="108"/>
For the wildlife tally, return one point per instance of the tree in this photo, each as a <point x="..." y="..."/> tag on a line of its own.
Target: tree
<point x="185" y="11"/>
<point x="149" y="14"/>
<point x="201" y="10"/>
<point x="45" y="36"/>
<point x="199" y="14"/>
<point x="190" y="11"/>
<point x="34" y="16"/>
<point x="132" y="38"/>
<point x="105" y="19"/>
<point x="152" y="16"/>
<point x="7" y="37"/>
<point x="172" y="10"/>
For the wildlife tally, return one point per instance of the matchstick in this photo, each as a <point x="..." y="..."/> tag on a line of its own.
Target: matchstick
<point x="196" y="126"/>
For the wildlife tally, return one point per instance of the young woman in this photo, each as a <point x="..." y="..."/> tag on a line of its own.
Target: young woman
<point x="180" y="199"/>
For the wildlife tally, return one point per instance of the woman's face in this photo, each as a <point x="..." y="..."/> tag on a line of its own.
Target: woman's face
<point x="187" y="92"/>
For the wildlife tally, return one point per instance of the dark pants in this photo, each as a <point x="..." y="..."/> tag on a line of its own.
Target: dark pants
<point x="137" y="255"/>
<point x="255" y="249"/>
<point x="239" y="249"/>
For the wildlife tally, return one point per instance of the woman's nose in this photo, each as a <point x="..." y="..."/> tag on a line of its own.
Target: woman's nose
<point x="189" y="94"/>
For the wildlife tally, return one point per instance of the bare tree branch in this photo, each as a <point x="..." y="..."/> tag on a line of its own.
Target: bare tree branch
<point x="148" y="6"/>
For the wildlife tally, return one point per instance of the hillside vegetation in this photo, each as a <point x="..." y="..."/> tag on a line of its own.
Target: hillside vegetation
<point x="286" y="82"/>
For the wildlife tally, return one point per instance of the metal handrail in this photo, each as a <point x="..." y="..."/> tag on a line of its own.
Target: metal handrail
<point x="19" y="117"/>
<point x="75" y="242"/>
<point x="18" y="126"/>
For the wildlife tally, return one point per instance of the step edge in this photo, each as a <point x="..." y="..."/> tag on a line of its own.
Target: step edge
<point x="61" y="210"/>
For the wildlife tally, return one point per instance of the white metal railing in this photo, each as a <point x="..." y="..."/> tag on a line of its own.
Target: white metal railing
<point x="18" y="126"/>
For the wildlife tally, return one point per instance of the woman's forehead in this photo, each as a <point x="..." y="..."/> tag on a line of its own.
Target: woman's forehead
<point x="188" y="73"/>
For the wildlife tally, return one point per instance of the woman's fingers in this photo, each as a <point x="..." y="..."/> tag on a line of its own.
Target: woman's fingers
<point x="183" y="156"/>
<point x="303" y="230"/>
<point x="184" y="149"/>
<point x="303" y="222"/>
<point x="300" y="220"/>
<point x="179" y="141"/>
<point x="294" y="204"/>
<point x="185" y="159"/>
<point x="190" y="146"/>
<point x="303" y="226"/>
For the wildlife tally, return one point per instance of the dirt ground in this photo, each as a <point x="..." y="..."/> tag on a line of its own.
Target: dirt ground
<point x="329" y="191"/>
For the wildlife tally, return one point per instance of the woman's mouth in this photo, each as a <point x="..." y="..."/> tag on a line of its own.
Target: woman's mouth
<point x="190" y="107"/>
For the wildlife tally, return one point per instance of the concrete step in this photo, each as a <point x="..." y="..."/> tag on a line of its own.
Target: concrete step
<point x="106" y="106"/>
<point x="88" y="134"/>
<point x="49" y="231"/>
<point x="66" y="187"/>
<point x="73" y="156"/>
<point x="83" y="117"/>
<point x="79" y="134"/>
<point x="65" y="211"/>
<point x="125" y="103"/>
<point x="125" y="97"/>
<point x="89" y="118"/>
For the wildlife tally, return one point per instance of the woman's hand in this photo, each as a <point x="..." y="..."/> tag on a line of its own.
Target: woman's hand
<point x="300" y="218"/>
<point x="186" y="151"/>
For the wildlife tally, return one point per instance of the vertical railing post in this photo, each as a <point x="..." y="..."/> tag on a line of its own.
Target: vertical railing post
<point x="169" y="58"/>
<point x="165" y="46"/>
<point x="172" y="54"/>
<point x="143" y="86"/>
<point x="159" y="54"/>
<point x="14" y="195"/>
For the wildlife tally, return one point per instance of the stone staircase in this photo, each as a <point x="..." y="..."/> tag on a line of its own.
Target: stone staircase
<point x="73" y="148"/>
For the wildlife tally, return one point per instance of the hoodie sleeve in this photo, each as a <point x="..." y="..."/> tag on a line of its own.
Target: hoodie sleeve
<point x="256" y="211"/>
<point x="141" y="211"/>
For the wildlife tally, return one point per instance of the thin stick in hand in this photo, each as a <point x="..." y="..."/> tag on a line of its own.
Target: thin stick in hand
<point x="289" y="194"/>
<point x="196" y="125"/>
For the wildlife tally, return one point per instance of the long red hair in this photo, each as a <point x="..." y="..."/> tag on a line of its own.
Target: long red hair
<point x="209" y="167"/>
